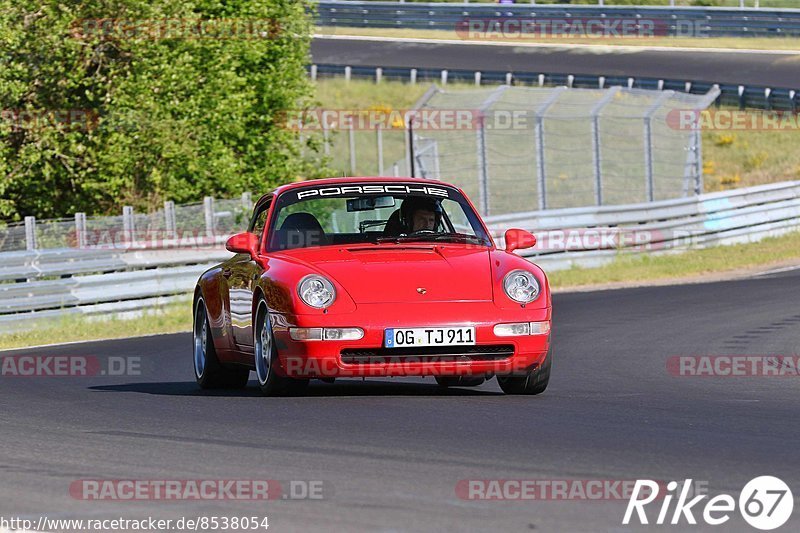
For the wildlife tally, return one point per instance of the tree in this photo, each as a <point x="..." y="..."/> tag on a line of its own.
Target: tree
<point x="113" y="102"/>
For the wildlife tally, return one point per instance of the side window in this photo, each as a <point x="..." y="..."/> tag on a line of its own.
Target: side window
<point x="259" y="220"/>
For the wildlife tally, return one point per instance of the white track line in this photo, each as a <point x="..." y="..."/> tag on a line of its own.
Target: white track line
<point x="591" y="47"/>
<point x="778" y="271"/>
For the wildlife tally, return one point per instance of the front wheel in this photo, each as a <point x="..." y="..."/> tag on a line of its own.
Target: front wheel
<point x="266" y="359"/>
<point x="208" y="371"/>
<point x="534" y="382"/>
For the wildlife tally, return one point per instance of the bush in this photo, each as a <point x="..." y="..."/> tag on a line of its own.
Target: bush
<point x="99" y="114"/>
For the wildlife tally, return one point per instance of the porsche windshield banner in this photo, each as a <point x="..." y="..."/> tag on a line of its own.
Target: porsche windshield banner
<point x="347" y="190"/>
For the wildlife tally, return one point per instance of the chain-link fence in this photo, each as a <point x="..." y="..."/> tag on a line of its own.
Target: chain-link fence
<point x="516" y="149"/>
<point x="196" y="223"/>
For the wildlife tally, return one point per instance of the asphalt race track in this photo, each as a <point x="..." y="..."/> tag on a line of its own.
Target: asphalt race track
<point x="753" y="68"/>
<point x="390" y="453"/>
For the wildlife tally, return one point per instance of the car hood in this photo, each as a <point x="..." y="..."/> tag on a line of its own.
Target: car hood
<point x="404" y="273"/>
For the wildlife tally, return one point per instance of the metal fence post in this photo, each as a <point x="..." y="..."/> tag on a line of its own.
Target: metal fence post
<point x="483" y="160"/>
<point x="698" y="150"/>
<point x="128" y="225"/>
<point x="596" y="160"/>
<point x="313" y="72"/>
<point x="378" y="74"/>
<point x="80" y="230"/>
<point x="408" y="121"/>
<point x="649" y="185"/>
<point x="648" y="143"/>
<point x="247" y="200"/>
<point x="690" y="168"/>
<point x="379" y="135"/>
<point x="170" y="222"/>
<point x="352" y="137"/>
<point x="483" y="169"/>
<point x="539" y="141"/>
<point x="208" y="209"/>
<point x="413" y="76"/>
<point x="30" y="233"/>
<point x="348" y="72"/>
<point x="408" y="146"/>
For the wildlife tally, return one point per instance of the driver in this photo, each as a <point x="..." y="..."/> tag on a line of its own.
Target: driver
<point x="420" y="214"/>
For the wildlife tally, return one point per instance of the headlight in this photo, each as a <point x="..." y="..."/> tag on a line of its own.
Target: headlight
<point x="521" y="286"/>
<point x="316" y="291"/>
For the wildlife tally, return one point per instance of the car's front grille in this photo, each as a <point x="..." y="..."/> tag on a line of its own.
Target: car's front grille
<point x="430" y="354"/>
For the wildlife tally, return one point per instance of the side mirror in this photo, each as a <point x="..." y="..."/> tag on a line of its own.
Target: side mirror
<point x="243" y="243"/>
<point x="519" y="239"/>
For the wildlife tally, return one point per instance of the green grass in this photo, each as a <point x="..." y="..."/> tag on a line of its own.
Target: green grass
<point x="717" y="259"/>
<point x="750" y="43"/>
<point x="172" y="318"/>
<point x="745" y="158"/>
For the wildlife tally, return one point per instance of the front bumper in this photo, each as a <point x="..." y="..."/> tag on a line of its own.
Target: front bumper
<point x="367" y="357"/>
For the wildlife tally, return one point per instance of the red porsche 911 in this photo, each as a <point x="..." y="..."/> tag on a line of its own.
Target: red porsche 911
<point x="372" y="277"/>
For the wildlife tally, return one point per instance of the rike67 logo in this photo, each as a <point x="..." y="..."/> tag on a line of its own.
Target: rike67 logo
<point x="765" y="503"/>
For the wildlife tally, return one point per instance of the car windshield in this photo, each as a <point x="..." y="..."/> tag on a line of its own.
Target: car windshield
<point x="373" y="214"/>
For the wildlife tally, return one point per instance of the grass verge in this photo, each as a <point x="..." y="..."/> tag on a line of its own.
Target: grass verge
<point x="171" y="318"/>
<point x="689" y="264"/>
<point x="738" y="43"/>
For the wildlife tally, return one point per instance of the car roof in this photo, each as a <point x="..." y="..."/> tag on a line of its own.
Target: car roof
<point x="360" y="179"/>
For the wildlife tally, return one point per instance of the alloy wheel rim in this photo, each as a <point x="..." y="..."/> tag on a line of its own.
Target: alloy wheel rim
<point x="200" y="341"/>
<point x="263" y="349"/>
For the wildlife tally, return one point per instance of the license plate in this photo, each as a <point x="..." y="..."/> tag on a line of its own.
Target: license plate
<point x="406" y="337"/>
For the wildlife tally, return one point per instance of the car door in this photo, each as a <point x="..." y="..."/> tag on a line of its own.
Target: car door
<point x="242" y="274"/>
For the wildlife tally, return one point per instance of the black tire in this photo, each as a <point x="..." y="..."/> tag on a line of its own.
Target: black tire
<point x="535" y="382"/>
<point x="459" y="381"/>
<point x="208" y="371"/>
<point x="265" y="355"/>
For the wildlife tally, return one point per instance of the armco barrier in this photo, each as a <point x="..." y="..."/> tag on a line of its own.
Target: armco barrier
<point x="704" y="21"/>
<point x="42" y="285"/>
<point x="755" y="97"/>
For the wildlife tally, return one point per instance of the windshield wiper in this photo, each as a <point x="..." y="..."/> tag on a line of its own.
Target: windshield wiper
<point x="434" y="236"/>
<point x="460" y="237"/>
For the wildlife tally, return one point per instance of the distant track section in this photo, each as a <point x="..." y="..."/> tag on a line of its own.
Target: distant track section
<point x="672" y="21"/>
<point x="770" y="69"/>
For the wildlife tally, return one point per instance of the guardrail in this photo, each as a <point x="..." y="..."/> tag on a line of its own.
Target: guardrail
<point x="674" y="21"/>
<point x="46" y="284"/>
<point x="756" y="97"/>
<point x="594" y="236"/>
<point x="754" y="4"/>
<point x="41" y="285"/>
